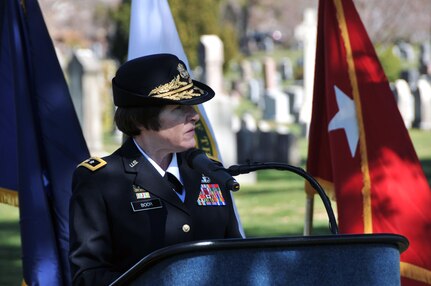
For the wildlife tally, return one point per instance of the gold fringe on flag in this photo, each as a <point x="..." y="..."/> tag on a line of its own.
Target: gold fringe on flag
<point x="415" y="272"/>
<point x="9" y="197"/>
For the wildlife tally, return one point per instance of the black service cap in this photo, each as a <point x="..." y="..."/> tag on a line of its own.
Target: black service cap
<point x="159" y="79"/>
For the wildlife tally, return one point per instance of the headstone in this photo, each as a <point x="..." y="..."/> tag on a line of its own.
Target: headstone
<point x="424" y="92"/>
<point x="211" y="58"/>
<point x="266" y="139"/>
<point x="246" y="139"/>
<point x="270" y="74"/>
<point x="405" y="51"/>
<point x="425" y="58"/>
<point x="85" y="81"/>
<point x="287" y="150"/>
<point x="256" y="66"/>
<point x="286" y="69"/>
<point x="276" y="145"/>
<point x="405" y="102"/>
<point x="296" y="99"/>
<point x="255" y="91"/>
<point x="307" y="34"/>
<point x="276" y="102"/>
<point x="411" y="76"/>
<point x="220" y="109"/>
<point x="246" y="70"/>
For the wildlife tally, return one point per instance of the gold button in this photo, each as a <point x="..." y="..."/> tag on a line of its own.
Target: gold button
<point x="186" y="228"/>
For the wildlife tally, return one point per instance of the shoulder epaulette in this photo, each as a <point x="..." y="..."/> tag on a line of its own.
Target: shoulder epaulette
<point x="93" y="163"/>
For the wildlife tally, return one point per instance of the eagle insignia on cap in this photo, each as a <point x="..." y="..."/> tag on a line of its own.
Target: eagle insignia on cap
<point x="183" y="72"/>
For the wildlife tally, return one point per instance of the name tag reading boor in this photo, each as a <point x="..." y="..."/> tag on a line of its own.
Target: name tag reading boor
<point x="138" y="206"/>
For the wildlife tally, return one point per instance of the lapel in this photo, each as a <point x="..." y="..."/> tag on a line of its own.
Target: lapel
<point x="191" y="180"/>
<point x="147" y="176"/>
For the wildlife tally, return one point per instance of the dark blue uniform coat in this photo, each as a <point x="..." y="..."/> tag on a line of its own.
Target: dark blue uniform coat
<point x="124" y="210"/>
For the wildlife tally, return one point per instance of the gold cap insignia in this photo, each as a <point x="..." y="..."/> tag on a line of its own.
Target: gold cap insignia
<point x="181" y="87"/>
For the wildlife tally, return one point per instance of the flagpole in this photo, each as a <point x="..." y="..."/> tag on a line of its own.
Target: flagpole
<point x="309" y="210"/>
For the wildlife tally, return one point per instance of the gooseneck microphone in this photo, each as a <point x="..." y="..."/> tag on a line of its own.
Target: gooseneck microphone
<point x="199" y="161"/>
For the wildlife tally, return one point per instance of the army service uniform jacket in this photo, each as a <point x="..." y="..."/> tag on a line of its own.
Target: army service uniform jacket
<point x="122" y="209"/>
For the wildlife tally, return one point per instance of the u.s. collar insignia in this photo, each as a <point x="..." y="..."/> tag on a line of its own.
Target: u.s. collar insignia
<point x="133" y="163"/>
<point x="93" y="163"/>
<point x="205" y="179"/>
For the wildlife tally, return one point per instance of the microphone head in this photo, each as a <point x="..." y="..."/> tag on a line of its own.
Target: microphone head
<point x="191" y="154"/>
<point x="199" y="161"/>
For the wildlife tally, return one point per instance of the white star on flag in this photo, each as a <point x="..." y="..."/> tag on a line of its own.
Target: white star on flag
<point x="346" y="119"/>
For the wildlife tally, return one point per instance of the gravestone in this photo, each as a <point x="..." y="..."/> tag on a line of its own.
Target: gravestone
<point x="286" y="69"/>
<point x="220" y="109"/>
<point x="296" y="99"/>
<point x="276" y="145"/>
<point x="255" y="91"/>
<point x="405" y="51"/>
<point x="287" y="149"/>
<point x="246" y="70"/>
<point x="246" y="139"/>
<point x="424" y="98"/>
<point x="276" y="102"/>
<point x="85" y="81"/>
<point x="405" y="102"/>
<point x="425" y="58"/>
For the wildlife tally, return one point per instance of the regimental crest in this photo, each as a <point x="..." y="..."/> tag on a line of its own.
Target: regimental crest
<point x="205" y="179"/>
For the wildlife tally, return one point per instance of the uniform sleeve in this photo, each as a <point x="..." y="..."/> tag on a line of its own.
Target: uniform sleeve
<point x="90" y="241"/>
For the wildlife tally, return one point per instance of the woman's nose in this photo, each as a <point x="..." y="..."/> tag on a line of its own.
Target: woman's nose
<point x="193" y="114"/>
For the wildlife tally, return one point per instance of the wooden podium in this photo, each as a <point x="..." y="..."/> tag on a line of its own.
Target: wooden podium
<point x="353" y="260"/>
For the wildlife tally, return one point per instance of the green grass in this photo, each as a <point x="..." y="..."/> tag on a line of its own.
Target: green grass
<point x="10" y="246"/>
<point x="274" y="206"/>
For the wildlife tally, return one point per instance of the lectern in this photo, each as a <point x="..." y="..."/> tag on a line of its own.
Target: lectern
<point x="332" y="260"/>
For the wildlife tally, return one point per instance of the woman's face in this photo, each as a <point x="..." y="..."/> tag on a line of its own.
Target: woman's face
<point x="177" y="128"/>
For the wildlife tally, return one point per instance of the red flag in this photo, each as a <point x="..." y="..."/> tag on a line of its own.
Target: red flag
<point x="359" y="145"/>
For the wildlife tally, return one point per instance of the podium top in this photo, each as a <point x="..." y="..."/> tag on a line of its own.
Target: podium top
<point x="290" y="242"/>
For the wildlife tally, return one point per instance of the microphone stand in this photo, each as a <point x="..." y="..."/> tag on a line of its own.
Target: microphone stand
<point x="235" y="170"/>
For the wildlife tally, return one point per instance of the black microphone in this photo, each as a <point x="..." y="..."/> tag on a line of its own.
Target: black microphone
<point x="198" y="160"/>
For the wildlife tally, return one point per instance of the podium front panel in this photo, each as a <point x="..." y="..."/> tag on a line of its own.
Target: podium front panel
<point x="319" y="262"/>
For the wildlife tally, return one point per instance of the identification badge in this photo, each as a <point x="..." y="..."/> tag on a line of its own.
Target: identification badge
<point x="210" y="195"/>
<point x="138" y="206"/>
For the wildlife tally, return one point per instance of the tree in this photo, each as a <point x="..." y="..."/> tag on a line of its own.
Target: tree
<point x="192" y="19"/>
<point x="119" y="39"/>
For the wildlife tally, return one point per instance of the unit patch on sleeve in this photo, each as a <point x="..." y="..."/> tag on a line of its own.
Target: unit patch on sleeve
<point x="93" y="163"/>
<point x="210" y="195"/>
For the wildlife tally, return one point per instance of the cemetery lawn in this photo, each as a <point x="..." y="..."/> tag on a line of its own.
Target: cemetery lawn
<point x="274" y="206"/>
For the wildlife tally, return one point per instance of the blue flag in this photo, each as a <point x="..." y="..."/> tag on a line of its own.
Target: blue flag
<point x="41" y="141"/>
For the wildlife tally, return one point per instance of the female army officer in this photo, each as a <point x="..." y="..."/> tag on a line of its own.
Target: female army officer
<point x="125" y="206"/>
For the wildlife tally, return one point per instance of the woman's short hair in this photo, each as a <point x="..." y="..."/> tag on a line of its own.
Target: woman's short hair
<point x="130" y="119"/>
